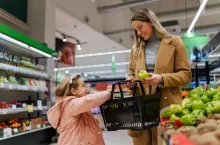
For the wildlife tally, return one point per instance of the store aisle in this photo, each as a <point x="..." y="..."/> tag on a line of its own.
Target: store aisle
<point x="115" y="138"/>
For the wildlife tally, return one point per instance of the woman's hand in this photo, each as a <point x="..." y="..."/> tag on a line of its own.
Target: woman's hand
<point x="130" y="84"/>
<point x="154" y="79"/>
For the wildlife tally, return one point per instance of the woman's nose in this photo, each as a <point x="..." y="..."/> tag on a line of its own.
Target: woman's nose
<point x="138" y="32"/>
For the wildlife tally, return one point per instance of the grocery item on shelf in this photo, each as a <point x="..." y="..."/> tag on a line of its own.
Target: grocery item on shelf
<point x="12" y="80"/>
<point x="27" y="63"/>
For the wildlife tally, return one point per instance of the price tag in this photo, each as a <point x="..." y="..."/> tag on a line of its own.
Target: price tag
<point x="10" y="87"/>
<point x="15" y="130"/>
<point x="4" y="112"/>
<point x="30" y="108"/>
<point x="38" y="126"/>
<point x="9" y="132"/>
<point x="39" y="104"/>
<point x="34" y="88"/>
<point x="14" y="107"/>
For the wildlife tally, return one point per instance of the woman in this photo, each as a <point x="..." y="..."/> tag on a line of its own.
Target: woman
<point x="171" y="70"/>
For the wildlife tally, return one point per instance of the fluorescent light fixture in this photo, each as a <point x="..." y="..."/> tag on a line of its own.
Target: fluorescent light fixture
<point x="103" y="72"/>
<point x="92" y="66"/>
<point x="9" y="39"/>
<point x="197" y="16"/>
<point x="39" y="52"/>
<point x="214" y="55"/>
<point x="102" y="53"/>
<point x="79" y="47"/>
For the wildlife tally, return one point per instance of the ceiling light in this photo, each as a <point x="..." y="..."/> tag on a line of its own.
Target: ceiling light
<point x="103" y="53"/>
<point x="66" y="71"/>
<point x="92" y="66"/>
<point x="78" y="47"/>
<point x="85" y="75"/>
<point x="64" y="38"/>
<point x="197" y="16"/>
<point x="55" y="69"/>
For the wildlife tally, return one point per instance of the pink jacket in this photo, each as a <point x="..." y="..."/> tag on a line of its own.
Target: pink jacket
<point x="77" y="125"/>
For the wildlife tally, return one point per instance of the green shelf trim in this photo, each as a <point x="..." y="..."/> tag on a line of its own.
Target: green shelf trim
<point x="25" y="39"/>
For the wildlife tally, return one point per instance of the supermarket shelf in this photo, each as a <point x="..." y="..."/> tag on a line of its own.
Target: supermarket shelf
<point x="23" y="71"/>
<point x="22" y="88"/>
<point x="23" y="133"/>
<point x="18" y="110"/>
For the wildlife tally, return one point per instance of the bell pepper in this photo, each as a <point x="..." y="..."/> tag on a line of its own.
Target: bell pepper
<point x="175" y="108"/>
<point x="198" y="105"/>
<point x="200" y="90"/>
<point x="216" y="96"/>
<point x="216" y="106"/>
<point x="174" y="117"/>
<point x="188" y="119"/>
<point x="188" y="106"/>
<point x="195" y="97"/>
<point x="166" y="114"/>
<point x="184" y="101"/>
<point x="185" y="111"/>
<point x="211" y="92"/>
<point x="205" y="99"/>
<point x="198" y="113"/>
<point x="191" y="93"/>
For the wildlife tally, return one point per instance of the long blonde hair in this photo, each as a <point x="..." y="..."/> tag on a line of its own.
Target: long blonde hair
<point x="146" y="15"/>
<point x="64" y="87"/>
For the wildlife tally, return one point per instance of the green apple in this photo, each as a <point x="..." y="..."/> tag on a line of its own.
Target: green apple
<point x="143" y="74"/>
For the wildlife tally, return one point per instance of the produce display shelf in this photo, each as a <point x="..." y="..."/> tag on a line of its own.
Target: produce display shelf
<point x="22" y="87"/>
<point x="18" y="110"/>
<point x="23" y="71"/>
<point x="23" y="133"/>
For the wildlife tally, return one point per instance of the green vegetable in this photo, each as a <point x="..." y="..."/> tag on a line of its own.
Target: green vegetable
<point x="208" y="110"/>
<point x="188" y="106"/>
<point x="205" y="99"/>
<point x="195" y="97"/>
<point x="198" y="105"/>
<point x="188" y="119"/>
<point x="174" y="117"/>
<point x="190" y="93"/>
<point x="198" y="113"/>
<point x="185" y="111"/>
<point x="216" y="96"/>
<point x="175" y="108"/>
<point x="166" y="114"/>
<point x="200" y="90"/>
<point x="185" y="100"/>
<point x="211" y="92"/>
<point x="216" y="106"/>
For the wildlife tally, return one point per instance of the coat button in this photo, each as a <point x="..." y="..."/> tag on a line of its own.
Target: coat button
<point x="165" y="98"/>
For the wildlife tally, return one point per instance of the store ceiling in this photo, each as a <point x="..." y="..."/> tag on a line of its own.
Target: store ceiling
<point x="96" y="43"/>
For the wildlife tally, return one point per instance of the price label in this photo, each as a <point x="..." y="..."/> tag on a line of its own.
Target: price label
<point x="30" y="108"/>
<point x="4" y="112"/>
<point x="9" y="132"/>
<point x="38" y="126"/>
<point x="14" y="107"/>
<point x="10" y="87"/>
<point x="39" y="104"/>
<point x="15" y="130"/>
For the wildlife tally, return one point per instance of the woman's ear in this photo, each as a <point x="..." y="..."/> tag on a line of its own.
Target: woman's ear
<point x="73" y="91"/>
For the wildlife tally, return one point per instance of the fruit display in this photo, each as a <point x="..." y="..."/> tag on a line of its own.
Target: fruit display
<point x="3" y="125"/>
<point x="143" y="75"/>
<point x="196" y="117"/>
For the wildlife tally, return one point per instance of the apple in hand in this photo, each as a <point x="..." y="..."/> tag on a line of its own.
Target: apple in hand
<point x="143" y="75"/>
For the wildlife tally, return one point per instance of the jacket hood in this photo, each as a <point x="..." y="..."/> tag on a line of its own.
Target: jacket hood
<point x="54" y="113"/>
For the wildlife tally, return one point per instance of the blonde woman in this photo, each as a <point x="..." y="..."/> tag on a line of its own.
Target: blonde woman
<point x="154" y="45"/>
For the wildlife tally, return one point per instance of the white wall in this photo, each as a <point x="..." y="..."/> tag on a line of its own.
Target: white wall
<point x="116" y="20"/>
<point x="82" y="8"/>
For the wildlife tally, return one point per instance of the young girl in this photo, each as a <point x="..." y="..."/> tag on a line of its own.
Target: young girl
<point x="71" y="114"/>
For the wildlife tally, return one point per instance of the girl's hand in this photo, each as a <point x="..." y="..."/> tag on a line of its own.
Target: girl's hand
<point x="154" y="79"/>
<point x="130" y="84"/>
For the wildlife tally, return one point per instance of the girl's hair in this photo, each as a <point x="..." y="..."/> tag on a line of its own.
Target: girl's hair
<point x="65" y="86"/>
<point x="146" y="15"/>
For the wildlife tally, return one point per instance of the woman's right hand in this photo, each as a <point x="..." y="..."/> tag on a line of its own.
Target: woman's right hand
<point x="131" y="82"/>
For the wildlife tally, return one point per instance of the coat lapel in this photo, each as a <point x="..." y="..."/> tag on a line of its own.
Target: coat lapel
<point x="164" y="55"/>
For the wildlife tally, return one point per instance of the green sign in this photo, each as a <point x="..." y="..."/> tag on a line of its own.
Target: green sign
<point x="113" y="64"/>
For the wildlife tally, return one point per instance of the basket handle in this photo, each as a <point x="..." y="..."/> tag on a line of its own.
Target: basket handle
<point x="124" y="82"/>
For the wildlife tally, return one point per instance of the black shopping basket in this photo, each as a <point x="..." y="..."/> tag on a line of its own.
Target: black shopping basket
<point x="135" y="113"/>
